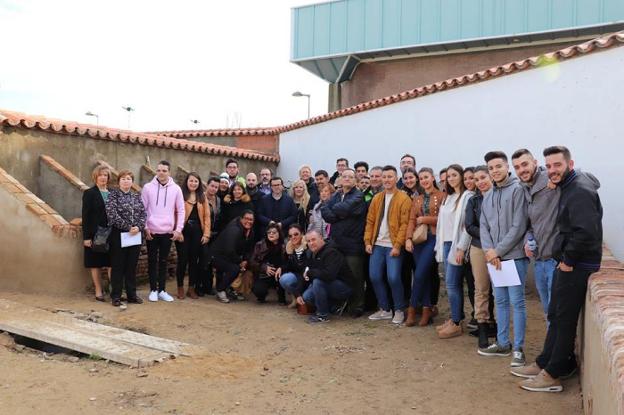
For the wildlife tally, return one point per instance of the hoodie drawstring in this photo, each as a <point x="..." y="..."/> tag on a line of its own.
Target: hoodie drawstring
<point x="158" y="192"/>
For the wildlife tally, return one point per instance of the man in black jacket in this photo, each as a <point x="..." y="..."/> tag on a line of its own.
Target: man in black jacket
<point x="578" y="249"/>
<point x="256" y="196"/>
<point x="346" y="212"/>
<point x="231" y="252"/>
<point x="276" y="207"/>
<point x="341" y="164"/>
<point x="329" y="275"/>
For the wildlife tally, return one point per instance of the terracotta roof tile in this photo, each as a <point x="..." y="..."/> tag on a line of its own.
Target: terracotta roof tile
<point x="224" y="132"/>
<point x="20" y="120"/>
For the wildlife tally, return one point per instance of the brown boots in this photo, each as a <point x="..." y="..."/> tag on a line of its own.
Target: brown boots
<point x="410" y="321"/>
<point x="426" y="318"/>
<point x="191" y="293"/>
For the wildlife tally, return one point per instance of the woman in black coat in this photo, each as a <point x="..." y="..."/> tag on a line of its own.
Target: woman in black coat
<point x="266" y="263"/>
<point x="234" y="204"/>
<point x="297" y="254"/>
<point x="94" y="215"/>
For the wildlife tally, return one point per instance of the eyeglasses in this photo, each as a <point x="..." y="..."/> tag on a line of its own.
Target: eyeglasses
<point x="272" y="231"/>
<point x="292" y="235"/>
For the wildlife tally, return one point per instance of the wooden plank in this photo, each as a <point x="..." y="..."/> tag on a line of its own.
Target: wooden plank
<point x="153" y="342"/>
<point x="92" y="345"/>
<point x="61" y="329"/>
<point x="127" y="336"/>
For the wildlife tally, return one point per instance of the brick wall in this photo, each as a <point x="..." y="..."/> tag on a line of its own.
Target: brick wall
<point x="378" y="79"/>
<point x="602" y="341"/>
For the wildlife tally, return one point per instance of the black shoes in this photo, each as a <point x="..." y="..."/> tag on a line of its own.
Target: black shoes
<point x="357" y="313"/>
<point x="135" y="300"/>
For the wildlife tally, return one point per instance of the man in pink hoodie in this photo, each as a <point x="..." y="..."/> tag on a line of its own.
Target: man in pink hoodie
<point x="164" y="205"/>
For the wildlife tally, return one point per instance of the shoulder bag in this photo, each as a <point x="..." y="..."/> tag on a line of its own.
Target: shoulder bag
<point x="100" y="240"/>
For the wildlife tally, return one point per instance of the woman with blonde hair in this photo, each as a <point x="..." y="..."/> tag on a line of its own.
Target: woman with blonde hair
<point x="305" y="174"/>
<point x="94" y="218"/>
<point x="301" y="197"/>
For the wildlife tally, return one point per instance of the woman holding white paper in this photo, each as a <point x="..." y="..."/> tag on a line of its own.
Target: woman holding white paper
<point x="126" y="216"/>
<point x="452" y="241"/>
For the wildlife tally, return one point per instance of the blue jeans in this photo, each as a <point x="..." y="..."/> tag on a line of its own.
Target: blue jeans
<point x="379" y="259"/>
<point x="289" y="282"/>
<point x="544" y="272"/>
<point x="503" y="297"/>
<point x="423" y="261"/>
<point x="321" y="294"/>
<point x="454" y="285"/>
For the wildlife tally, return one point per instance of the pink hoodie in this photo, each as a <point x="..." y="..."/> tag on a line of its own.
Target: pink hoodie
<point x="164" y="206"/>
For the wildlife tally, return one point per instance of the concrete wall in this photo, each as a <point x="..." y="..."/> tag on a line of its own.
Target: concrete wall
<point x="65" y="198"/>
<point x="377" y="79"/>
<point x="20" y="150"/>
<point x="41" y="260"/>
<point x="577" y="103"/>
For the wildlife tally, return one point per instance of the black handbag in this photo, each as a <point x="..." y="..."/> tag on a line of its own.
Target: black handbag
<point x="100" y="240"/>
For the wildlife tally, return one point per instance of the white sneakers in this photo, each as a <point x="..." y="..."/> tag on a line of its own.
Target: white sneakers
<point x="398" y="318"/>
<point x="222" y="296"/>
<point x="381" y="315"/>
<point x="163" y="295"/>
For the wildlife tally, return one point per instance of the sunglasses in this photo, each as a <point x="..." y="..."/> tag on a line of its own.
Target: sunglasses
<point x="294" y="234"/>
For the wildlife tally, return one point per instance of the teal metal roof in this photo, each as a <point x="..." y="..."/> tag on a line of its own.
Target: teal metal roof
<point x="330" y="39"/>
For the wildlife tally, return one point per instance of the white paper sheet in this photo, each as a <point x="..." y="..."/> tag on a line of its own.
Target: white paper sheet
<point x="507" y="276"/>
<point x="130" y="240"/>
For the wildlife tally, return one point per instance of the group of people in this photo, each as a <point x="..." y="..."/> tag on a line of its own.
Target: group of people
<point x="371" y="239"/>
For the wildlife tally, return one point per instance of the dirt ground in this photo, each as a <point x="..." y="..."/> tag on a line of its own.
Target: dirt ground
<point x="265" y="359"/>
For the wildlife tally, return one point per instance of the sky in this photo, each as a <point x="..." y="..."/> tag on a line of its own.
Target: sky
<point x="222" y="62"/>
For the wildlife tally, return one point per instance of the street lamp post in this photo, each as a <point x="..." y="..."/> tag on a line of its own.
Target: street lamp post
<point x="129" y="109"/>
<point x="299" y="94"/>
<point x="92" y="114"/>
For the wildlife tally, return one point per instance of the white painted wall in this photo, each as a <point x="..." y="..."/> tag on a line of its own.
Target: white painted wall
<point x="578" y="103"/>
